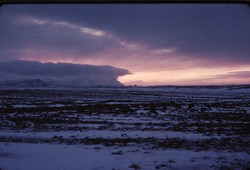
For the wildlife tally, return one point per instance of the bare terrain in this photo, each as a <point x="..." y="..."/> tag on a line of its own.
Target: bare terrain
<point x="125" y="128"/>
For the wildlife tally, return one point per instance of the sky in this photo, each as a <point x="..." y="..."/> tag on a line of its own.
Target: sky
<point x="156" y="44"/>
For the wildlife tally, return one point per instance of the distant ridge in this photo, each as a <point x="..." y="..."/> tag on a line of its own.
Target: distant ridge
<point x="193" y="87"/>
<point x="204" y="86"/>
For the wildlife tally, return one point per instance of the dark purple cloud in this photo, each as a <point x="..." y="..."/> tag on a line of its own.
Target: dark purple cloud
<point x="201" y="30"/>
<point x="22" y="32"/>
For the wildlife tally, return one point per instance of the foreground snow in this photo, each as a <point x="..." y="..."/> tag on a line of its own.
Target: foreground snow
<point x="66" y="157"/>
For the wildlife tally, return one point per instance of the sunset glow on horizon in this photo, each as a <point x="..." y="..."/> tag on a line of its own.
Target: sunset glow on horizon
<point x="167" y="44"/>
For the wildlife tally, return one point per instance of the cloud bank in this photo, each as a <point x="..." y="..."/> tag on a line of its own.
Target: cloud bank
<point x="59" y="74"/>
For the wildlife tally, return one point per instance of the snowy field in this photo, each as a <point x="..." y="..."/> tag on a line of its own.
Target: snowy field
<point x="125" y="128"/>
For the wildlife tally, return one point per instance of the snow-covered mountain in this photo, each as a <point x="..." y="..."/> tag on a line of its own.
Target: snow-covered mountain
<point x="37" y="74"/>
